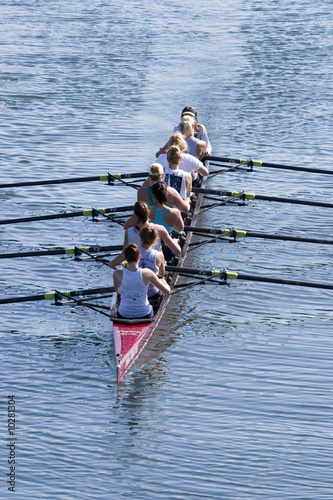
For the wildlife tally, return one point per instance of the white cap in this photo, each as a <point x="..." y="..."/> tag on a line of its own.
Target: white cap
<point x="158" y="167"/>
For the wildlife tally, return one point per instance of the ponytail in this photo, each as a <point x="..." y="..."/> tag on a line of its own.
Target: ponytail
<point x="141" y="210"/>
<point x="160" y="191"/>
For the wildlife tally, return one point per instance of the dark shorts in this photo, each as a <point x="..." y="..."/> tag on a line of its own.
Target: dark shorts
<point x="150" y="315"/>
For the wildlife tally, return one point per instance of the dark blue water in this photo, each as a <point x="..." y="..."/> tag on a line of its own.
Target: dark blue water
<point x="234" y="400"/>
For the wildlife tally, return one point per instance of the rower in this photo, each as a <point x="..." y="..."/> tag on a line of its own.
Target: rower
<point x="168" y="217"/>
<point x="133" y="227"/>
<point x="132" y="233"/>
<point x="156" y="173"/>
<point x="189" y="163"/>
<point x="160" y="213"/>
<point x="200" y="131"/>
<point x="151" y="258"/>
<point x="132" y="285"/>
<point x="195" y="146"/>
<point x="174" y="176"/>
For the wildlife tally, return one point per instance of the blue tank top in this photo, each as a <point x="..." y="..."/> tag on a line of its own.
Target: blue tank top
<point x="159" y="219"/>
<point x="150" y="196"/>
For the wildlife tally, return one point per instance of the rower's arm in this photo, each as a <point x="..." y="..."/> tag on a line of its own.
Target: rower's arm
<point x="131" y="222"/>
<point x="182" y="205"/>
<point x="152" y="278"/>
<point x="162" y="150"/>
<point x="204" y="137"/>
<point x="188" y="182"/>
<point x="179" y="225"/>
<point x="203" y="171"/>
<point x="161" y="265"/>
<point x="117" y="260"/>
<point x="117" y="279"/>
<point x="170" y="242"/>
<point x="201" y="148"/>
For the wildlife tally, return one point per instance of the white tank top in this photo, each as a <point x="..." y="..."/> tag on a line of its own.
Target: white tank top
<point x="134" y="237"/>
<point x="176" y="180"/>
<point x="148" y="260"/>
<point x="133" y="295"/>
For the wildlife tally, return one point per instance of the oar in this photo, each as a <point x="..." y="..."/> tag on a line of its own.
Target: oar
<point x="110" y="178"/>
<point x="224" y="275"/>
<point x="233" y="233"/>
<point x="62" y="251"/>
<point x="256" y="163"/>
<point x="91" y="211"/>
<point x="57" y="295"/>
<point x="94" y="307"/>
<point x="252" y="196"/>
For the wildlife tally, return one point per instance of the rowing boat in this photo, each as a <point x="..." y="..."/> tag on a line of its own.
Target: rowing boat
<point x="131" y="335"/>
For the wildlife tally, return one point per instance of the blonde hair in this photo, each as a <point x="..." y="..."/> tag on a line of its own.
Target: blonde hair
<point x="148" y="235"/>
<point x="187" y="126"/>
<point x="174" y="155"/>
<point x="177" y="139"/>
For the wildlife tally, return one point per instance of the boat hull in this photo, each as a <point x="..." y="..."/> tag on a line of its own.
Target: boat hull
<point x="129" y="340"/>
<point x="131" y="336"/>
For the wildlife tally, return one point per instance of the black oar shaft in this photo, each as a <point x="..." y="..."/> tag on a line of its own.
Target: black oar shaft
<point x="235" y="275"/>
<point x="233" y="233"/>
<point x="29" y="298"/>
<point x="81" y="213"/>
<point x="252" y="196"/>
<point x="257" y="163"/>
<point x="294" y="201"/>
<point x="286" y="237"/>
<point x="54" y="295"/>
<point x="52" y="181"/>
<point x="62" y="251"/>
<point x="281" y="281"/>
<point x="106" y="177"/>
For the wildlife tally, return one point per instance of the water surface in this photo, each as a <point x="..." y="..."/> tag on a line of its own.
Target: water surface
<point x="234" y="398"/>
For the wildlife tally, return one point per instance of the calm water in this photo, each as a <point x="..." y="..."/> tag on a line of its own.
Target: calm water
<point x="234" y="400"/>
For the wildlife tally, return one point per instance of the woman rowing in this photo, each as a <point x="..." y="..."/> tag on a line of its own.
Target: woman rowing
<point x="163" y="215"/>
<point x="151" y="255"/>
<point x="132" y="284"/>
<point x="160" y="213"/>
<point x="200" y="131"/>
<point x="176" y="177"/>
<point x="195" y="146"/>
<point x="156" y="173"/>
<point x="151" y="258"/>
<point x="189" y="163"/>
<point x="133" y="227"/>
